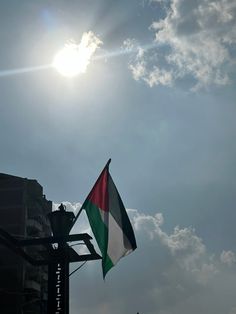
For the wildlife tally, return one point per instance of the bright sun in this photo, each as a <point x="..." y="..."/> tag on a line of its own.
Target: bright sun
<point x="70" y="61"/>
<point x="74" y="59"/>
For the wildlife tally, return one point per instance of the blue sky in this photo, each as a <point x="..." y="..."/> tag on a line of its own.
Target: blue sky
<point x="163" y="109"/>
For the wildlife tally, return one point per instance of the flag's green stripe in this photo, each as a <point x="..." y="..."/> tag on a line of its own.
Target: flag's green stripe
<point x="100" y="232"/>
<point x="106" y="265"/>
<point x="98" y="227"/>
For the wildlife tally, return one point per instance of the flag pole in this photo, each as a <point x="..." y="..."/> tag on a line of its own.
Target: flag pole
<point x="80" y="211"/>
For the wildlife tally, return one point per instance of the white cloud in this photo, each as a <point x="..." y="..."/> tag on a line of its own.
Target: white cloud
<point x="228" y="258"/>
<point x="186" y="247"/>
<point x="139" y="66"/>
<point x="183" y="244"/>
<point x="195" y="39"/>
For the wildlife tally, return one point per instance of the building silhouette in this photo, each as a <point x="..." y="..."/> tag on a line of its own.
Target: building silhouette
<point x="23" y="213"/>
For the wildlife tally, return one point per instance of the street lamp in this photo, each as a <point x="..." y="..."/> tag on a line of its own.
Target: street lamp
<point x="58" y="282"/>
<point x="57" y="258"/>
<point x="61" y="221"/>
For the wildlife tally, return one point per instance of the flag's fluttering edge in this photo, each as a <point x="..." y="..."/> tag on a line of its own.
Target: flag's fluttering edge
<point x="109" y="221"/>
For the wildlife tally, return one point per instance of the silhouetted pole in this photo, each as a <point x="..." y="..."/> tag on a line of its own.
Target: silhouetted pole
<point x="57" y="258"/>
<point x="58" y="303"/>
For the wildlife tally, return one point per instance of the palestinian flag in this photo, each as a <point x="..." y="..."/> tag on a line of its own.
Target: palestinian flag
<point x="109" y="221"/>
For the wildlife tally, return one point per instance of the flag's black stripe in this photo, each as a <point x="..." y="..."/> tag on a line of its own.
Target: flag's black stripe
<point x="117" y="210"/>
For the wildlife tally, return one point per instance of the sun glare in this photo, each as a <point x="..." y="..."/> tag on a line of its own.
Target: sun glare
<point x="74" y="59"/>
<point x="69" y="62"/>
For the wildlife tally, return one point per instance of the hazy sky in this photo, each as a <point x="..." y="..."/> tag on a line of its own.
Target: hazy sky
<point x="159" y="101"/>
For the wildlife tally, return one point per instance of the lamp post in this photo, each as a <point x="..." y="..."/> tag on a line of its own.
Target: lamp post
<point x="57" y="256"/>
<point x="58" y="281"/>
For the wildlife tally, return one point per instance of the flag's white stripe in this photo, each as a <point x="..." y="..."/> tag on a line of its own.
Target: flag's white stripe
<point x="116" y="248"/>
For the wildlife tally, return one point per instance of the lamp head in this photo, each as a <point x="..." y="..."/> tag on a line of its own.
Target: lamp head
<point x="61" y="221"/>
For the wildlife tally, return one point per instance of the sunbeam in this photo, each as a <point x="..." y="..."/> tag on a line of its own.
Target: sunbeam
<point x="106" y="55"/>
<point x="24" y="70"/>
<point x="125" y="51"/>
